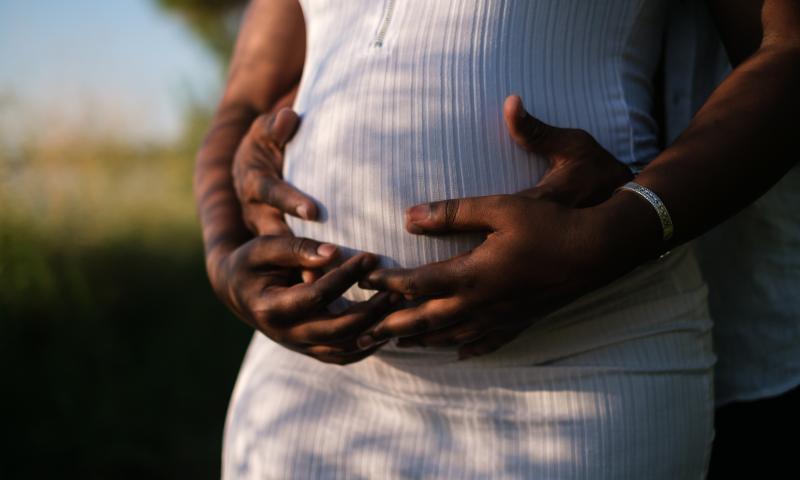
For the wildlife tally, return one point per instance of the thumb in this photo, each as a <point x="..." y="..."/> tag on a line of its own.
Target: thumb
<point x="276" y="128"/>
<point x="284" y="126"/>
<point x="528" y="131"/>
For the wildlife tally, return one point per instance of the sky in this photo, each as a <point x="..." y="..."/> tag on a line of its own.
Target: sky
<point x="114" y="64"/>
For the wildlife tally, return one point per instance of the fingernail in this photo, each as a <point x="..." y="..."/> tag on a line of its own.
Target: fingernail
<point x="302" y="211"/>
<point x="326" y="250"/>
<point x="365" y="341"/>
<point x="419" y="212"/>
<point x="521" y="111"/>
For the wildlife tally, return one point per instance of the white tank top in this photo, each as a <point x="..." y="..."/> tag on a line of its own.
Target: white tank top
<point x="401" y="103"/>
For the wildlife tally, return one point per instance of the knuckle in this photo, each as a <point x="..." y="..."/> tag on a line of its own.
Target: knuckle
<point x="249" y="186"/>
<point x="451" y="207"/>
<point x="498" y="204"/>
<point x="301" y="246"/>
<point x="250" y="219"/>
<point x="410" y="285"/>
<point x="270" y="193"/>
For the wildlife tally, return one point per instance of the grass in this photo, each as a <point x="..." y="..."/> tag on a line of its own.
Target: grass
<point x="117" y="360"/>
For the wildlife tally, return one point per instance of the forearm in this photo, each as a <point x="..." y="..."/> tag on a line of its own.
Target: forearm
<point x="265" y="69"/>
<point x="218" y="209"/>
<point x="738" y="145"/>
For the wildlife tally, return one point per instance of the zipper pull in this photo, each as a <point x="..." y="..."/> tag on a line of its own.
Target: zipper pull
<point x="384" y="25"/>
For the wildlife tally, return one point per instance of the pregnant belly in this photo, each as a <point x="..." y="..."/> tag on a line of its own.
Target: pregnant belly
<point x="366" y="154"/>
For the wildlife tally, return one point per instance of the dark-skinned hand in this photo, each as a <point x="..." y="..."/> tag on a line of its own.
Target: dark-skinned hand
<point x="274" y="281"/>
<point x="261" y="282"/>
<point x="537" y="256"/>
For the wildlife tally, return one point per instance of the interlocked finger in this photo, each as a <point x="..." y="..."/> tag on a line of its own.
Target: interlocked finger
<point x="346" y="326"/>
<point x="298" y="301"/>
<point x="427" y="280"/>
<point x="431" y="315"/>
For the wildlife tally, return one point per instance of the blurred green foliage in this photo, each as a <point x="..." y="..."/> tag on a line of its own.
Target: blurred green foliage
<point x="117" y="359"/>
<point x="213" y="21"/>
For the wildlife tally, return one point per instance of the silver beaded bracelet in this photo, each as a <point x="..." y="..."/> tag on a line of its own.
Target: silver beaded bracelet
<point x="663" y="214"/>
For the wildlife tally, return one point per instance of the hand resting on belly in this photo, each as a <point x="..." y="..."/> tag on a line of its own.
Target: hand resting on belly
<point x="463" y="297"/>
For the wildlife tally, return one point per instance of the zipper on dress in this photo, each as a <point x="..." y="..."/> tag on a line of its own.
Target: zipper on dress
<point x="387" y="19"/>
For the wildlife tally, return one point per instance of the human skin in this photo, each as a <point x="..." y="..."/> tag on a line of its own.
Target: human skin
<point x="273" y="281"/>
<point x="581" y="173"/>
<point x="709" y="173"/>
<point x="575" y="249"/>
<point x="260" y="278"/>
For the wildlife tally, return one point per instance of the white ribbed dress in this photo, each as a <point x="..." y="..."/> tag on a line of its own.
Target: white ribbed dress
<point x="402" y="103"/>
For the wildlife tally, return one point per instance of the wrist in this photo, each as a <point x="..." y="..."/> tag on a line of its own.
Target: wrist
<point x="217" y="261"/>
<point x="628" y="233"/>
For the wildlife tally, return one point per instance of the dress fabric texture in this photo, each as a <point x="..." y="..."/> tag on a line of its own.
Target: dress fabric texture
<point x="754" y="300"/>
<point x="615" y="385"/>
